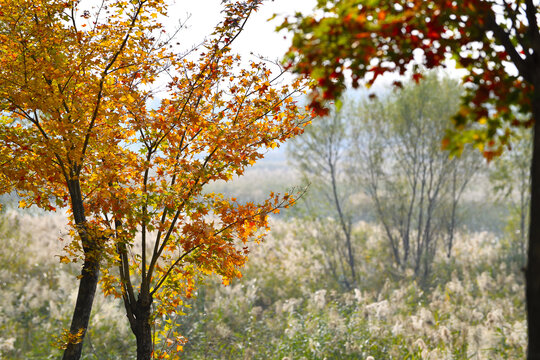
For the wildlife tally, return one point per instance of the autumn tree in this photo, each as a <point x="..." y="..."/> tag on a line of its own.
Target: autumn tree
<point x="59" y="75"/>
<point x="497" y="43"/>
<point x="78" y="131"/>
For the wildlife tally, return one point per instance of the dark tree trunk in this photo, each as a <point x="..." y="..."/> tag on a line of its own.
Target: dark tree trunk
<point x="532" y="272"/>
<point x="89" y="274"/>
<point x="141" y="327"/>
<point x="83" y="306"/>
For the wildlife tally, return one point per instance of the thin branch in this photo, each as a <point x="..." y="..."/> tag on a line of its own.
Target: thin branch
<point x="534" y="34"/>
<point x="225" y="228"/>
<point x="104" y="75"/>
<point x="164" y="277"/>
<point x="504" y="38"/>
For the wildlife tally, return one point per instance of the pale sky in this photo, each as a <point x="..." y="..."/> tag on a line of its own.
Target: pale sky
<point x="258" y="37"/>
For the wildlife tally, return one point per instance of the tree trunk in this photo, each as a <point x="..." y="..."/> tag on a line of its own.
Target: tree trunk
<point x="89" y="273"/>
<point x="83" y="306"/>
<point x="142" y="329"/>
<point x="532" y="273"/>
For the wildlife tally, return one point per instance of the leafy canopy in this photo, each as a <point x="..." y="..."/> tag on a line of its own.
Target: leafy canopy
<point x="77" y="81"/>
<point x="369" y="38"/>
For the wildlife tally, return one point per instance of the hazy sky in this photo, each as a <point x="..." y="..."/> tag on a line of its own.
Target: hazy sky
<point x="259" y="35"/>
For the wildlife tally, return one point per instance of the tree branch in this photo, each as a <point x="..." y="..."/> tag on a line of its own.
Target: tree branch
<point x="534" y="35"/>
<point x="504" y="39"/>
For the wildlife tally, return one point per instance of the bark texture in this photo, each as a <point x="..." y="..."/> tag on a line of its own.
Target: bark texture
<point x="83" y="307"/>
<point x="141" y="327"/>
<point x="89" y="273"/>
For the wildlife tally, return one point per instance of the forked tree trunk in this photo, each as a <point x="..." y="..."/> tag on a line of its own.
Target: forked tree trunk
<point x="532" y="273"/>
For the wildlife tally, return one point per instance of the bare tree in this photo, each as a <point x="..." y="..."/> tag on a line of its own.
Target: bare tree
<point x="388" y="153"/>
<point x="415" y="187"/>
<point x="510" y="177"/>
<point x="321" y="157"/>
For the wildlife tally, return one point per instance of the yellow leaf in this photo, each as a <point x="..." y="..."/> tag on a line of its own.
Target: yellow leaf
<point x="480" y="147"/>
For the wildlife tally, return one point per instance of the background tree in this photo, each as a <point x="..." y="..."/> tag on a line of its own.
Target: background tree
<point x="497" y="44"/>
<point x="510" y="177"/>
<point x="322" y="158"/>
<point x="414" y="187"/>
<point x="385" y="155"/>
<point x="77" y="130"/>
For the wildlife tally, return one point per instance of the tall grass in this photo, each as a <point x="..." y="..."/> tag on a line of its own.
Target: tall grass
<point x="288" y="305"/>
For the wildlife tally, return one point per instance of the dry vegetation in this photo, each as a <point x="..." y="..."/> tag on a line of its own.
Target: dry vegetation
<point x="287" y="306"/>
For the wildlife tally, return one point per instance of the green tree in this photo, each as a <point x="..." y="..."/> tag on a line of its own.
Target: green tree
<point x="415" y="187"/>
